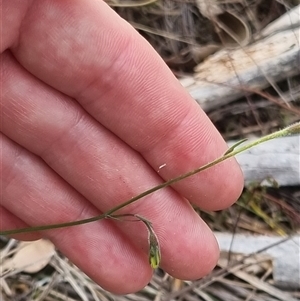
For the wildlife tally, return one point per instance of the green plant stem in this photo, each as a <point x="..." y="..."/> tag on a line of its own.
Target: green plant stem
<point x="293" y="129"/>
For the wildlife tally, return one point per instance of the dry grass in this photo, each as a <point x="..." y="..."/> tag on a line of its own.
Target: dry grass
<point x="244" y="278"/>
<point x="177" y="30"/>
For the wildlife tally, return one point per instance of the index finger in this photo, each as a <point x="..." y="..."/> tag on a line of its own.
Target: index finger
<point x="99" y="60"/>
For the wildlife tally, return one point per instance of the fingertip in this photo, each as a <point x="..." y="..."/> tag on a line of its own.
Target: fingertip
<point x="226" y="186"/>
<point x="193" y="145"/>
<point x="132" y="281"/>
<point x="132" y="276"/>
<point x="107" y="256"/>
<point x="192" y="252"/>
<point x="205" y="261"/>
<point x="232" y="185"/>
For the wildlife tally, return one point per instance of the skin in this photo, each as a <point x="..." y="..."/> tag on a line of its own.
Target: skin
<point x="89" y="112"/>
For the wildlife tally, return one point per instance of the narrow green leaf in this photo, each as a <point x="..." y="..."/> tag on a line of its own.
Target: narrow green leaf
<point x="231" y="148"/>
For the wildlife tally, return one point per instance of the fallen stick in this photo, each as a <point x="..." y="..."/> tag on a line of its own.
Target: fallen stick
<point x="273" y="58"/>
<point x="285" y="256"/>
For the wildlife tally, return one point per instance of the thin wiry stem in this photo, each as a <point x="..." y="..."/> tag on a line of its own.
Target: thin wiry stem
<point x="231" y="152"/>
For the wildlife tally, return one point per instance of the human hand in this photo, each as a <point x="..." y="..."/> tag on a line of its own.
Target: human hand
<point x="89" y="112"/>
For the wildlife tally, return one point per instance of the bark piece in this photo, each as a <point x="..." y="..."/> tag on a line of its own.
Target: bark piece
<point x="278" y="159"/>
